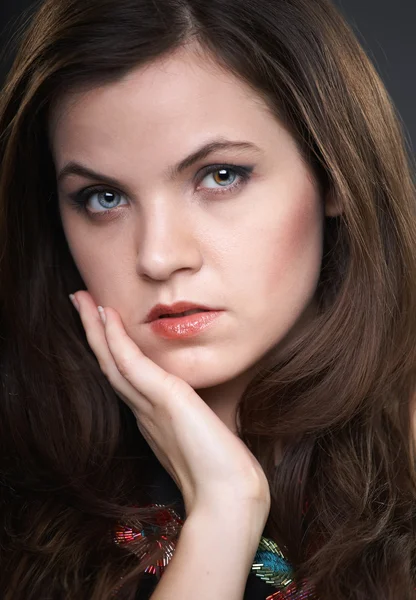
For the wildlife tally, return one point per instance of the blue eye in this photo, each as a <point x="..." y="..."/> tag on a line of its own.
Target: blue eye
<point x="108" y="199"/>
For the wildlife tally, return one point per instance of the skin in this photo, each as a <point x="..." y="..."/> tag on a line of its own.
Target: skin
<point x="254" y="251"/>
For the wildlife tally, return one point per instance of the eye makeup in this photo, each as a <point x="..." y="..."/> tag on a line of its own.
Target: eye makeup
<point x="82" y="197"/>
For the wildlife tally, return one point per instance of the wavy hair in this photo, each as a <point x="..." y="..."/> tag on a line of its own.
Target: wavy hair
<point x="73" y="462"/>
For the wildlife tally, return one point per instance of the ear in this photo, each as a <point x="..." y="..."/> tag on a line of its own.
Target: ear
<point x="333" y="206"/>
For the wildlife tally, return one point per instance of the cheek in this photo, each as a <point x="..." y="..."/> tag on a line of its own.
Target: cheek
<point x="298" y="245"/>
<point x="93" y="255"/>
<point x="82" y="251"/>
<point x="287" y="254"/>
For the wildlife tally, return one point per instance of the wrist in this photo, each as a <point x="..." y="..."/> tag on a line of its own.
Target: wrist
<point x="229" y="523"/>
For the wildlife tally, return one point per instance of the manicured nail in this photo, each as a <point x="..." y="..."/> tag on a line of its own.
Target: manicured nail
<point x="74" y="301"/>
<point x="101" y="312"/>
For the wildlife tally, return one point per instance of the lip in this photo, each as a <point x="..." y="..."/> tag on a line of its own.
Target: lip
<point x="177" y="307"/>
<point x="184" y="327"/>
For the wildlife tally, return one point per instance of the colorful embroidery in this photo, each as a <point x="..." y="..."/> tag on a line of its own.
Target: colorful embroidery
<point x="167" y="523"/>
<point x="269" y="563"/>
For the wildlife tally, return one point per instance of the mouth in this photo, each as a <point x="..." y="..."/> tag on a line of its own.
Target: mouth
<point x="176" y="310"/>
<point x="177" y="326"/>
<point x="183" y="314"/>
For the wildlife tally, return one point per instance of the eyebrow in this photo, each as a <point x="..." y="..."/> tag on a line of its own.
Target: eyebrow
<point x="74" y="168"/>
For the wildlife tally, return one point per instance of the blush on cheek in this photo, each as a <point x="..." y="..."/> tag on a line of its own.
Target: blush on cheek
<point x="295" y="248"/>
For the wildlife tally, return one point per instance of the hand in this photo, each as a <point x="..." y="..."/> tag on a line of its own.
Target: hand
<point x="209" y="463"/>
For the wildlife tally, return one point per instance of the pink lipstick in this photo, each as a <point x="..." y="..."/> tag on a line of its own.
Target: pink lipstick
<point x="184" y="327"/>
<point x="181" y="320"/>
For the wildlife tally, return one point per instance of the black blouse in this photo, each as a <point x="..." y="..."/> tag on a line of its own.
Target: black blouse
<point x="163" y="491"/>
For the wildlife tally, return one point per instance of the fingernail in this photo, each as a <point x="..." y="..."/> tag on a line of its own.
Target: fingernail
<point x="74" y="301"/>
<point x="101" y="312"/>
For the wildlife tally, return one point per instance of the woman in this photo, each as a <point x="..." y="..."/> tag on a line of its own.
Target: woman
<point x="241" y="161"/>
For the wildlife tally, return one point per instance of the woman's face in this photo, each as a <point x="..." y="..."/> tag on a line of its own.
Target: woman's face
<point x="250" y="245"/>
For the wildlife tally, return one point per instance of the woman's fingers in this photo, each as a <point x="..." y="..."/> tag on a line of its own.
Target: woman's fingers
<point x="143" y="374"/>
<point x="129" y="371"/>
<point x="95" y="333"/>
<point x="139" y="382"/>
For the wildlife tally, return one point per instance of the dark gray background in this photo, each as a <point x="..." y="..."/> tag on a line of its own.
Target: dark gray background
<point x="386" y="29"/>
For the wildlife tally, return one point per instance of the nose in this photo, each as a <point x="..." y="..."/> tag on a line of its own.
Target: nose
<point x="167" y="241"/>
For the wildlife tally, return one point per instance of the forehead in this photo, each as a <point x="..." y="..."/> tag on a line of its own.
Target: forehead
<point x="157" y="95"/>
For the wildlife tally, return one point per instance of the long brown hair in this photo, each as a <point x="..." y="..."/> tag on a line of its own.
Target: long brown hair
<point x="73" y="462"/>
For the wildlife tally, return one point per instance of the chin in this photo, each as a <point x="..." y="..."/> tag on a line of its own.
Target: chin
<point x="198" y="373"/>
<point x="200" y="378"/>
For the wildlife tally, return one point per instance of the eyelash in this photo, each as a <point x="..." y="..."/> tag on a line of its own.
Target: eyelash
<point x="80" y="198"/>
